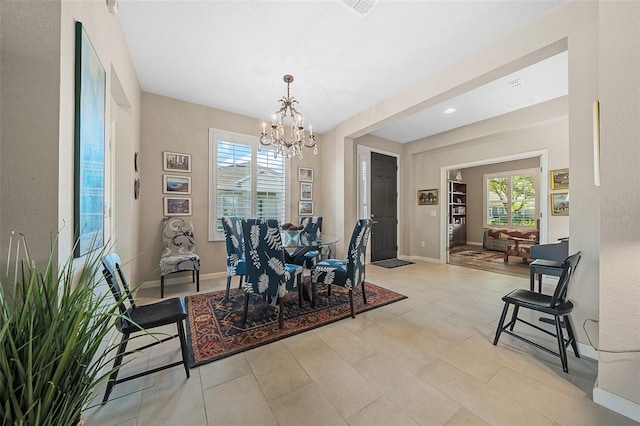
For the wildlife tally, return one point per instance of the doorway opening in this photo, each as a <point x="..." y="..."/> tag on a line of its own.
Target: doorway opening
<point x="470" y="252"/>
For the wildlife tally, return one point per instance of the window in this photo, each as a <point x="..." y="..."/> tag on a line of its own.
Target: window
<point x="245" y="180"/>
<point x="510" y="199"/>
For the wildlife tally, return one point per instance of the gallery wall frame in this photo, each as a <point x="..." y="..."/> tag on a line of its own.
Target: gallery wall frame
<point x="305" y="208"/>
<point x="305" y="174"/>
<point x="428" y="197"/>
<point x="306" y="191"/>
<point x="177" y="206"/>
<point x="560" y="204"/>
<point x="176" y="162"/>
<point x="89" y="140"/>
<point x="174" y="184"/>
<point x="559" y="179"/>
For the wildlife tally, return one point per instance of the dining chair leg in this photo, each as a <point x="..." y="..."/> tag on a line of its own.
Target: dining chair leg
<point x="281" y="313"/>
<point x="353" y="311"/>
<point x="193" y="276"/>
<point x="240" y="282"/>
<point x="299" y="291"/>
<point x="561" y="346"/>
<point x="246" y="309"/>
<point x="198" y="280"/>
<point x="162" y="286"/>
<point x="183" y="348"/>
<point x="574" y="344"/>
<point x="514" y="317"/>
<point x="314" y="293"/>
<point x="226" y="293"/>
<point x="501" y="323"/>
<point x="364" y="294"/>
<point x="114" y="375"/>
<point x="328" y="290"/>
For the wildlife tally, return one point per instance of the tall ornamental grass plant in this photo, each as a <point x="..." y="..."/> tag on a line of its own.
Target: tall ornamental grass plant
<point x="52" y="327"/>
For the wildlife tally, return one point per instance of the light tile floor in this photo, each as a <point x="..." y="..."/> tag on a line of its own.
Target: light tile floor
<point x="426" y="360"/>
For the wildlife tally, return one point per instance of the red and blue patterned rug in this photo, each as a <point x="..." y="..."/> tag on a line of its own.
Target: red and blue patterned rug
<point x="214" y="326"/>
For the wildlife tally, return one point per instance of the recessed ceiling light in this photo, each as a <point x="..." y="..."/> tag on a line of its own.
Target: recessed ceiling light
<point x="449" y="110"/>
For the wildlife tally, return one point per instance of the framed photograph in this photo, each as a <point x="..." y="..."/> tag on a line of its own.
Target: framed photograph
<point x="560" y="179"/>
<point x="176" y="162"/>
<point x="560" y="204"/>
<point x="89" y="140"/>
<point x="176" y="184"/>
<point x="428" y="197"/>
<point x="305" y="208"/>
<point x="305" y="174"/>
<point x="306" y="191"/>
<point x="174" y="206"/>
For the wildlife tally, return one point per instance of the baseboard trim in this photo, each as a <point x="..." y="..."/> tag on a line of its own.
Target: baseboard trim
<point x="616" y="403"/>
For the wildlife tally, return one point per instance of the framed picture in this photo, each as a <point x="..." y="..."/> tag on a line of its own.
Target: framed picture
<point x="174" y="206"/>
<point x="560" y="179"/>
<point x="176" y="184"/>
<point x="428" y="197"/>
<point x="305" y="208"/>
<point x="305" y="174"/>
<point x="560" y="204"/>
<point x="89" y="152"/>
<point x="306" y="191"/>
<point x="176" y="162"/>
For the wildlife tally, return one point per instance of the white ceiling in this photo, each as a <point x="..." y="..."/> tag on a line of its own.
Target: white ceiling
<point x="232" y="55"/>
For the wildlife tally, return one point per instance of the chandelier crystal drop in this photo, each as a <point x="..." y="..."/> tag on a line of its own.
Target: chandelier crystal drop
<point x="288" y="116"/>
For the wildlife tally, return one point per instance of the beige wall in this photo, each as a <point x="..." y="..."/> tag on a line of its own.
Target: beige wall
<point x="619" y="94"/>
<point x="177" y="126"/>
<point x="37" y="112"/>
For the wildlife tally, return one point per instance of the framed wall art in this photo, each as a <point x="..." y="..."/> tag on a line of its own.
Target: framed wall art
<point x="305" y="208"/>
<point x="176" y="162"/>
<point x="175" y="206"/>
<point x="428" y="197"/>
<point x="305" y="174"/>
<point x="560" y="204"/>
<point x="560" y="179"/>
<point x="89" y="152"/>
<point x="306" y="191"/>
<point x="176" y="184"/>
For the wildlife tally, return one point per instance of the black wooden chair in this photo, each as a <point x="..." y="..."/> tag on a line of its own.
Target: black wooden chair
<point x="140" y="319"/>
<point x="557" y="305"/>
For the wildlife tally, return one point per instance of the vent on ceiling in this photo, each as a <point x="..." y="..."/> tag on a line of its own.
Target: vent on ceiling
<point x="361" y="7"/>
<point x="514" y="84"/>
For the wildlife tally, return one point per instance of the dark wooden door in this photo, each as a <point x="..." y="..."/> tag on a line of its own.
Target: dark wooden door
<point x="384" y="207"/>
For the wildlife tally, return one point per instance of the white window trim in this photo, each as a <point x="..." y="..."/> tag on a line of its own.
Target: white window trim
<point x="486" y="177"/>
<point x="227" y="136"/>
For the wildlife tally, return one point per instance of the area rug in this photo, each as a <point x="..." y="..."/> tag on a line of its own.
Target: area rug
<point x="214" y="326"/>
<point x="487" y="256"/>
<point x="492" y="261"/>
<point x="391" y="263"/>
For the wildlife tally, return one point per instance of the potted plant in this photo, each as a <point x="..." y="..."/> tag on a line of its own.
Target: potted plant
<point x="52" y="327"/>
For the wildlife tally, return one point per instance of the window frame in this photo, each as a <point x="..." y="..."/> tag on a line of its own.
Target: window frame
<point x="216" y="135"/>
<point x="509" y="175"/>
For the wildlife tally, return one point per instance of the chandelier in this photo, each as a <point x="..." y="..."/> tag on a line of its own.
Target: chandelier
<point x="288" y="116"/>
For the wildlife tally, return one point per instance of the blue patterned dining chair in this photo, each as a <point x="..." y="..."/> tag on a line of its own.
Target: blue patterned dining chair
<point x="309" y="236"/>
<point x="267" y="274"/>
<point x="345" y="273"/>
<point x="235" y="250"/>
<point x="178" y="249"/>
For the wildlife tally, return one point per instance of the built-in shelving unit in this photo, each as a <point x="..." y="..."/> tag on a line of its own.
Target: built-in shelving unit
<point x="457" y="213"/>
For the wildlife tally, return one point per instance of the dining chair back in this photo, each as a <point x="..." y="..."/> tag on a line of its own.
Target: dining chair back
<point x="178" y="249"/>
<point x="350" y="273"/>
<point x="236" y="264"/>
<point x="267" y="274"/>
<point x="310" y="236"/>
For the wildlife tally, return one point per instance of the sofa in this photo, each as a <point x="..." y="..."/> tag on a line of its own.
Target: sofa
<point x="502" y="240"/>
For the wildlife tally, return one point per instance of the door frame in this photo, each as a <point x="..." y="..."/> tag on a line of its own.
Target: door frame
<point x="363" y="153"/>
<point x="542" y="154"/>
